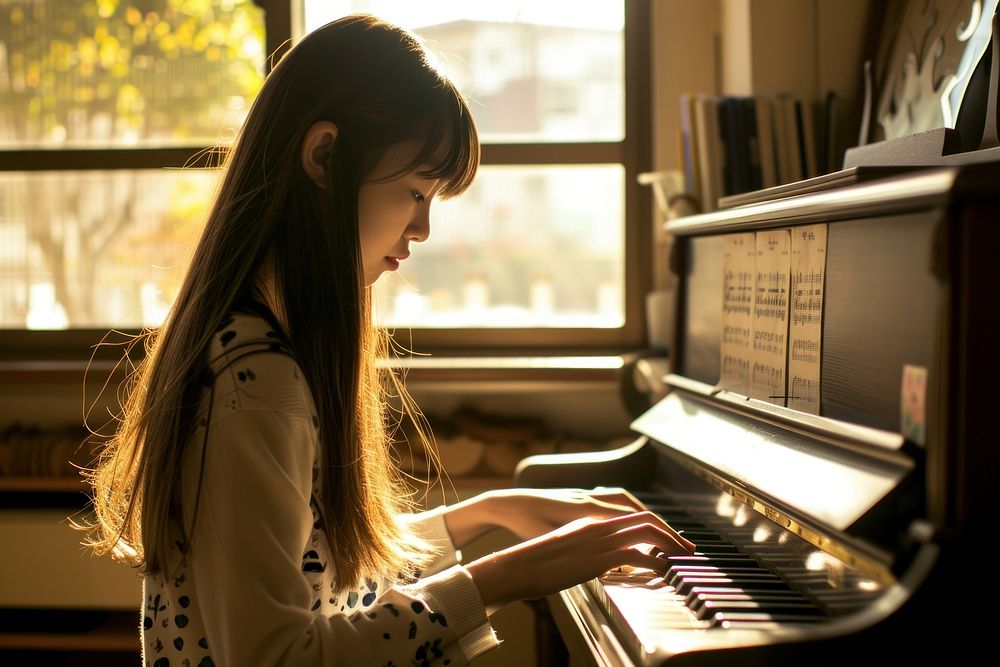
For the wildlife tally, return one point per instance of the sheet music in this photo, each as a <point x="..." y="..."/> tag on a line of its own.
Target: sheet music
<point x="737" y="316"/>
<point x="806" y="329"/>
<point x="770" y="316"/>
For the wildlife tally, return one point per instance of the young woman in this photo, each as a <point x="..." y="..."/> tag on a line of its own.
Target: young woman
<point x="251" y="477"/>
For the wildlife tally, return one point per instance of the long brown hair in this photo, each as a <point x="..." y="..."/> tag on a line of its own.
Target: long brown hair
<point x="374" y="82"/>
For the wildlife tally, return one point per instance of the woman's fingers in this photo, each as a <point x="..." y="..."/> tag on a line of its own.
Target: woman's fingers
<point x="576" y="552"/>
<point x="654" y="535"/>
<point x="647" y="534"/>
<point x="621" y="500"/>
<point x="610" y="509"/>
<point x="648" y="562"/>
<point x="648" y="518"/>
<point x="617" y="496"/>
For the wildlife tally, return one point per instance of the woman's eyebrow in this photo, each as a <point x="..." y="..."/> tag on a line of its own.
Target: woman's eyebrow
<point x="424" y="172"/>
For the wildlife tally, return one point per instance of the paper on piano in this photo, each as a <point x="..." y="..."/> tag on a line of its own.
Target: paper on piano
<point x="770" y="316"/>
<point x="806" y="328"/>
<point x="737" y="301"/>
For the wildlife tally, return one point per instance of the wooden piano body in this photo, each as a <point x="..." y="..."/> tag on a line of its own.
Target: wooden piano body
<point x="884" y="535"/>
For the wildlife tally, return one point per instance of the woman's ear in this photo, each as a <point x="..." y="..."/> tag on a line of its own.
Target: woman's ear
<point x="316" y="147"/>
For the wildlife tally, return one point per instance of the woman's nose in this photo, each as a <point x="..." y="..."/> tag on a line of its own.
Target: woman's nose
<point x="420" y="228"/>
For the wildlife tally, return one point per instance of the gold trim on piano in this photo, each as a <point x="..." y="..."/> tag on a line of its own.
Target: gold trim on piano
<point x="878" y="571"/>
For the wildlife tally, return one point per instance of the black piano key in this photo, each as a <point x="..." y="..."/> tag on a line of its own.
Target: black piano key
<point x="704" y="547"/>
<point x="734" y="619"/>
<point x="734" y="584"/>
<point x="697" y="605"/>
<point x="695" y="535"/>
<point x="684" y="583"/>
<point x="714" y="570"/>
<point x="683" y="524"/>
<point x="712" y="608"/>
<point x="692" y="597"/>
<point x="691" y="600"/>
<point x="715" y="549"/>
<point x="702" y="559"/>
<point x="672" y="514"/>
<point x="675" y="579"/>
<point x="704" y="536"/>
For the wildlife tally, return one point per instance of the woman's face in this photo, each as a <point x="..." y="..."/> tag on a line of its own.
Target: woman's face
<point x="392" y="213"/>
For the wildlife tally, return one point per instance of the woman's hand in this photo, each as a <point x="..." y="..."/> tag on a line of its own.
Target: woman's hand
<point x="529" y="513"/>
<point x="579" y="551"/>
<point x="568" y="536"/>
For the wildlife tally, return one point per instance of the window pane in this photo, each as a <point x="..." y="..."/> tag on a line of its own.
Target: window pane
<point x="533" y="70"/>
<point x="122" y="74"/>
<point x="526" y="246"/>
<point x="522" y="248"/>
<point x="96" y="249"/>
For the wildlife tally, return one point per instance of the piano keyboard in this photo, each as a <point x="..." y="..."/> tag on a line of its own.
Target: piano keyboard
<point x="746" y="575"/>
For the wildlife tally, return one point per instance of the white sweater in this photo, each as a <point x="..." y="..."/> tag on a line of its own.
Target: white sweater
<point x="257" y="586"/>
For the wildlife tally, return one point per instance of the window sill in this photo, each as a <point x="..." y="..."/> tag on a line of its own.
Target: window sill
<point x="420" y="369"/>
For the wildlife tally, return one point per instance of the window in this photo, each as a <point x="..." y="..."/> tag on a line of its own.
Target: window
<point x="124" y="89"/>
<point x="540" y="242"/>
<point x="97" y="97"/>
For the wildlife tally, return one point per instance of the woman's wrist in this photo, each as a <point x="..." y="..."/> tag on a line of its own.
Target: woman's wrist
<point x="487" y="575"/>
<point x="476" y="516"/>
<point x="499" y="507"/>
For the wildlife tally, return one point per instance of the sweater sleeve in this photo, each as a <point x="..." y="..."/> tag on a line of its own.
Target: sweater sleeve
<point x="246" y="552"/>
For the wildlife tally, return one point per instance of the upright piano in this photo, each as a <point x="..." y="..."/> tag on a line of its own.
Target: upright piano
<point x="851" y="528"/>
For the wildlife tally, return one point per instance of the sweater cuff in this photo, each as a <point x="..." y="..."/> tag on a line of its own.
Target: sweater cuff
<point x="454" y="594"/>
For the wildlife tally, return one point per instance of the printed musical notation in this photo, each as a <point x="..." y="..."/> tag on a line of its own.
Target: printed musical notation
<point x="772" y="264"/>
<point x="738" y="367"/>
<point x="737" y="311"/>
<point x="802" y="389"/>
<point x="805" y="350"/>
<point x="808" y="267"/>
<point x="772" y="319"/>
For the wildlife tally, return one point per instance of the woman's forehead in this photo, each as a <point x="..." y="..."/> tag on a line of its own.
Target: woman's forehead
<point x="401" y="159"/>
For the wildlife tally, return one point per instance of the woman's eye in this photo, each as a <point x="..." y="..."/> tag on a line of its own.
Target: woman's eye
<point x="417" y="196"/>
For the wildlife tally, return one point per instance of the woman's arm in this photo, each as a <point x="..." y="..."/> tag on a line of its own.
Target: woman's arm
<point x="470" y="519"/>
<point x="567" y="536"/>
<point x="577" y="552"/>
<point x="529" y="513"/>
<point x="246" y="557"/>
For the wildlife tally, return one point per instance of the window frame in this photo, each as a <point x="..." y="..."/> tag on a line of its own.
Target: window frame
<point x="633" y="152"/>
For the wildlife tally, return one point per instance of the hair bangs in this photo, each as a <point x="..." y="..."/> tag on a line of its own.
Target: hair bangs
<point x="450" y="152"/>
